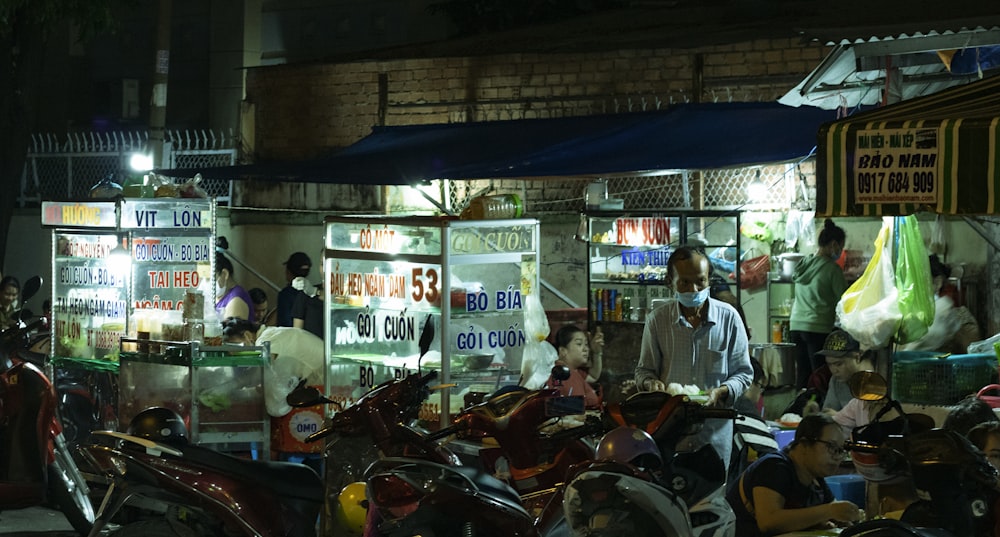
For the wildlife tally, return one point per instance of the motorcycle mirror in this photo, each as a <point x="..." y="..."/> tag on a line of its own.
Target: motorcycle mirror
<point x="304" y="396"/>
<point x="24" y="314"/>
<point x="560" y="372"/>
<point x="30" y="287"/>
<point x="426" y="335"/>
<point x="868" y="386"/>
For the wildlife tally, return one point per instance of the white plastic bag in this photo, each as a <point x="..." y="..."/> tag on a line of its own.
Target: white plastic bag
<point x="869" y="309"/>
<point x="536" y="363"/>
<point x="536" y="323"/>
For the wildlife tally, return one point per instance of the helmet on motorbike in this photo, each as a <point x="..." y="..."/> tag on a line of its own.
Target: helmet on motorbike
<point x="632" y="446"/>
<point x="868" y="466"/>
<point x="159" y="425"/>
<point x="352" y="508"/>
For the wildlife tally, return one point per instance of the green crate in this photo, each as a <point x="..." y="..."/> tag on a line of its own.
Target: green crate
<point x="933" y="378"/>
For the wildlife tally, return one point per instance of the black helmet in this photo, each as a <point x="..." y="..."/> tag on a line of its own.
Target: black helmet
<point x="159" y="425"/>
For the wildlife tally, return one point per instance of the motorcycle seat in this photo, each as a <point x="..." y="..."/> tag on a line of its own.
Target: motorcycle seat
<point x="490" y="485"/>
<point x="287" y="479"/>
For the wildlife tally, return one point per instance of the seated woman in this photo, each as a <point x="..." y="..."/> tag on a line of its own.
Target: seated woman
<point x="785" y="491"/>
<point x="582" y="355"/>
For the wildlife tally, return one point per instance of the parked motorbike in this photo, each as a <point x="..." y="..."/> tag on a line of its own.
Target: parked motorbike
<point x="377" y="425"/>
<point x="164" y="485"/>
<point x="161" y="485"/>
<point x="956" y="488"/>
<point x="640" y="486"/>
<point x="411" y="496"/>
<point x="35" y="466"/>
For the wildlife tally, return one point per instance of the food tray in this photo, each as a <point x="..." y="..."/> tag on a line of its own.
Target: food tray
<point x="934" y="378"/>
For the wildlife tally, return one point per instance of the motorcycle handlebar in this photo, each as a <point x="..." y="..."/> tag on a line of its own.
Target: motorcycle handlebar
<point x="712" y="413"/>
<point x="591" y="426"/>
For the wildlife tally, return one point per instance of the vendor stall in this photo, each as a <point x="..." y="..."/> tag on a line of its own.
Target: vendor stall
<point x="123" y="268"/>
<point x="384" y="278"/>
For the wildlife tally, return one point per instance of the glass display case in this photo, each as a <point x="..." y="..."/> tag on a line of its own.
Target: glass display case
<point x="627" y="269"/>
<point x="217" y="390"/>
<point x="385" y="278"/>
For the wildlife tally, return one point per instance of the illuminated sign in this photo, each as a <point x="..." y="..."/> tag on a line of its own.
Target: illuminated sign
<point x="642" y="231"/>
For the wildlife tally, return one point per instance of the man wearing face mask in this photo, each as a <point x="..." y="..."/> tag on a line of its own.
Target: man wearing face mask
<point x="695" y="339"/>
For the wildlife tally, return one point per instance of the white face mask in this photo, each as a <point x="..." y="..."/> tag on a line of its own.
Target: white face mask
<point x="693" y="299"/>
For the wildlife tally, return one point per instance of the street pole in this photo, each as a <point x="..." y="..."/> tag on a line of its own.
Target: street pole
<point x="161" y="70"/>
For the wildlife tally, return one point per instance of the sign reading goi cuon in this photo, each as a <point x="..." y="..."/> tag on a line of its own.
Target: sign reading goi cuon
<point x="897" y="166"/>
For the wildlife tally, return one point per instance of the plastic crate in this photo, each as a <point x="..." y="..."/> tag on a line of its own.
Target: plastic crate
<point x="933" y="378"/>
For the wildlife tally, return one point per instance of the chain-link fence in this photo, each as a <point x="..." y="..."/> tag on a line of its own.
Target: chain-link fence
<point x="771" y="187"/>
<point x="66" y="167"/>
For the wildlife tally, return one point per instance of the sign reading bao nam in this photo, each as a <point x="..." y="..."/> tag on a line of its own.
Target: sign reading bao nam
<point x="897" y="166"/>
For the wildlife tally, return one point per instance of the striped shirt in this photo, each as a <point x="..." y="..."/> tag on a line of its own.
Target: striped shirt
<point x="715" y="353"/>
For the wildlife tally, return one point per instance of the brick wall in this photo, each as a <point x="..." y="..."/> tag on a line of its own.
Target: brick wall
<point x="304" y="110"/>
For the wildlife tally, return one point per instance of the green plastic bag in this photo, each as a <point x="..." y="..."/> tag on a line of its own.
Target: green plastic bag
<point x="913" y="280"/>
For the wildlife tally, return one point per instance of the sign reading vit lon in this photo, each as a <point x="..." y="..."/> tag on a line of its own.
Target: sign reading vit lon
<point x="897" y="166"/>
<point x="167" y="214"/>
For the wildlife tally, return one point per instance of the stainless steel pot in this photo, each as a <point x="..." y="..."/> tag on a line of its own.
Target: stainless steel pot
<point x="774" y="356"/>
<point x="788" y="263"/>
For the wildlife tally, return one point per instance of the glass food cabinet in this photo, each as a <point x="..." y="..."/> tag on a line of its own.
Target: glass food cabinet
<point x="384" y="277"/>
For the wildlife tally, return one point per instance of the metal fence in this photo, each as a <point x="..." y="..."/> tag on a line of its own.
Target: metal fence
<point x="67" y="166"/>
<point x="780" y="187"/>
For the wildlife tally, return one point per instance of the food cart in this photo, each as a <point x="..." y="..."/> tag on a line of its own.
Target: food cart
<point x="384" y="277"/>
<point x="132" y="293"/>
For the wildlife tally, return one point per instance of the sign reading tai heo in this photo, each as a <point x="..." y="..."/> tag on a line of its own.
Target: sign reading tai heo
<point x="897" y="166"/>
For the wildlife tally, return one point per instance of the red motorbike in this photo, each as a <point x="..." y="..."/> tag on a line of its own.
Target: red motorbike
<point x="412" y="496"/>
<point x="35" y="466"/>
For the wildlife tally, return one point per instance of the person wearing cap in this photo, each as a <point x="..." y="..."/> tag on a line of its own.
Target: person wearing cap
<point x="844" y="358"/>
<point x="297" y="266"/>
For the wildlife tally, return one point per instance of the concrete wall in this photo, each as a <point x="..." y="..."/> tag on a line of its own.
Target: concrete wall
<point x="302" y="110"/>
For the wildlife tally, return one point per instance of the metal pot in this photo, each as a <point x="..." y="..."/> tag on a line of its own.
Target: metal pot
<point x="788" y="263"/>
<point x="774" y="356"/>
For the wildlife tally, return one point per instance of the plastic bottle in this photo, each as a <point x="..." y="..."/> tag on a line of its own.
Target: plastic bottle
<point x="493" y="207"/>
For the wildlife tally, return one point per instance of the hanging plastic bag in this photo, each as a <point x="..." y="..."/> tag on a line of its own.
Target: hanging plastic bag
<point x="536" y="323"/>
<point x="753" y="272"/>
<point x="536" y="363"/>
<point x="939" y="244"/>
<point x="913" y="279"/>
<point x="868" y="310"/>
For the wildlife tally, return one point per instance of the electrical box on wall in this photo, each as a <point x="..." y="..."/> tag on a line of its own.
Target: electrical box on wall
<point x="130" y="98"/>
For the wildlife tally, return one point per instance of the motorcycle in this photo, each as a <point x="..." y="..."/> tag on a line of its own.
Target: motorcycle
<point x="639" y="485"/>
<point x="956" y="489"/>
<point x="35" y="465"/>
<point x="410" y="496"/>
<point x="161" y="484"/>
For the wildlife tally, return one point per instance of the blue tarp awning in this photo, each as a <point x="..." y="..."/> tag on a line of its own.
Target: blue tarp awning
<point x="683" y="137"/>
